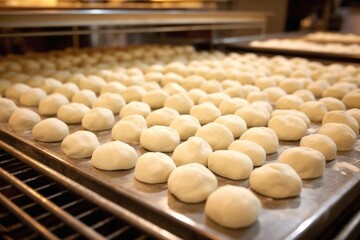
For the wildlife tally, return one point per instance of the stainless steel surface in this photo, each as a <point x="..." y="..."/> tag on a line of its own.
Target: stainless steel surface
<point x="322" y="200"/>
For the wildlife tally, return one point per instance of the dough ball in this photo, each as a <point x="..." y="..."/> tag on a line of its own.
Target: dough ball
<point x="276" y="180"/>
<point x="318" y="87"/>
<point x="114" y="155"/>
<point x="15" y="90"/>
<point x="159" y="139"/>
<point x="344" y="141"/>
<point x="211" y="86"/>
<point x="186" y="126"/>
<point x="205" y="113"/>
<point x="7" y="107"/>
<point x="113" y="87"/>
<point x="194" y="150"/>
<point x="214" y="98"/>
<point x="112" y="101"/>
<point x="257" y="96"/>
<point x="171" y="77"/>
<point x="72" y="113"/>
<point x="135" y="107"/>
<point x="80" y="144"/>
<point x="254" y="116"/>
<point x="290" y="85"/>
<point x="155" y="98"/>
<point x="4" y="85"/>
<point x="192" y="81"/>
<point x="321" y="143"/>
<point x="265" y="137"/>
<point x="355" y="113"/>
<point x="163" y="116"/>
<point x="307" y="162"/>
<point x="23" y="119"/>
<point x="49" y="105"/>
<point x="265" y="82"/>
<point x="225" y="203"/>
<point x="230" y="164"/>
<point x="336" y="92"/>
<point x="154" y="77"/>
<point x="153" y="168"/>
<point x="195" y="95"/>
<point x="192" y="183"/>
<point x="297" y="113"/>
<point x="288" y="127"/>
<point x="93" y="83"/>
<point x="49" y="85"/>
<point x="67" y="89"/>
<point x="274" y="94"/>
<point x="352" y="99"/>
<point x="98" y="119"/>
<point x="305" y="95"/>
<point x="339" y="116"/>
<point x="289" y="102"/>
<point x="50" y="130"/>
<point x="256" y="153"/>
<point x="246" y="78"/>
<point x="133" y="93"/>
<point x="86" y="97"/>
<point x="181" y="102"/>
<point x="218" y="136"/>
<point x="314" y="110"/>
<point x="231" y="105"/>
<point x="234" y="123"/>
<point x="332" y="103"/>
<point x="32" y="97"/>
<point x="129" y="129"/>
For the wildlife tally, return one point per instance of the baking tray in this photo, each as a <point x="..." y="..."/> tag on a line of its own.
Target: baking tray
<point x="243" y="44"/>
<point x="322" y="200"/>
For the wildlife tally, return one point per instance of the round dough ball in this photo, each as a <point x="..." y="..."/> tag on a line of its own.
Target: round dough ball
<point x="321" y="143"/>
<point x="225" y="203"/>
<point x="192" y="183"/>
<point x="23" y="119"/>
<point x="153" y="168"/>
<point x="155" y="98"/>
<point x="159" y="139"/>
<point x="265" y="137"/>
<point x="93" y="83"/>
<point x="332" y="103"/>
<point x="181" y="102"/>
<point x="98" y="119"/>
<point x="7" y="107"/>
<point x="67" y="89"/>
<point x="214" y="98"/>
<point x="254" y="116"/>
<point x="49" y="85"/>
<point x="32" y="97"/>
<point x="307" y="162"/>
<point x="112" y="101"/>
<point x="263" y="104"/>
<point x="133" y="93"/>
<point x="336" y="92"/>
<point x="230" y="164"/>
<point x="289" y="102"/>
<point x="194" y="150"/>
<point x="72" y="113"/>
<point x="355" y="113"/>
<point x="305" y="95"/>
<point x="50" y="130"/>
<point x="129" y="129"/>
<point x="113" y="87"/>
<point x="314" y="110"/>
<point x="257" y="96"/>
<point x="192" y="82"/>
<point x="205" y="113"/>
<point x="211" y="86"/>
<point x="14" y="91"/>
<point x="135" y="107"/>
<point x="173" y="88"/>
<point x="288" y="127"/>
<point x="344" y="141"/>
<point x="195" y="95"/>
<point x="265" y="82"/>
<point x="163" y="116"/>
<point x="256" y="153"/>
<point x="297" y="113"/>
<point x="186" y="126"/>
<point x="339" y="116"/>
<point x="276" y="180"/>
<point x="234" y="123"/>
<point x="86" y="97"/>
<point x="114" y="155"/>
<point x="171" y="77"/>
<point x="49" y="105"/>
<point x="352" y="99"/>
<point x="154" y="77"/>
<point x="318" y="87"/>
<point x="291" y="85"/>
<point x="231" y="105"/>
<point x="218" y="136"/>
<point x="80" y="144"/>
<point x="274" y="94"/>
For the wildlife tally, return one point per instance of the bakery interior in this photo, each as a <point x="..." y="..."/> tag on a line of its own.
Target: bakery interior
<point x="179" y="119"/>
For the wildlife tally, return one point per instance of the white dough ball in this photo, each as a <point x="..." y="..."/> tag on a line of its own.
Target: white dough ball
<point x="49" y="105"/>
<point x="153" y="168"/>
<point x="93" y="83"/>
<point x="251" y="149"/>
<point x="335" y="91"/>
<point x="86" y="97"/>
<point x="163" y="116"/>
<point x="80" y="144"/>
<point x="355" y="113"/>
<point x="15" y="90"/>
<point x="231" y="105"/>
<point x="218" y="136"/>
<point x="133" y="93"/>
<point x="50" y="130"/>
<point x="225" y="203"/>
<point x="7" y="107"/>
<point x="339" y="116"/>
<point x="344" y="141"/>
<point x="332" y="103"/>
<point x="135" y="108"/>
<point x="173" y="88"/>
<point x="192" y="82"/>
<point x="49" y="85"/>
<point x="297" y="113"/>
<point x="192" y="183"/>
<point x="274" y="93"/>
<point x="290" y="85"/>
<point x="288" y="127"/>
<point x="155" y="98"/>
<point x="181" y="102"/>
<point x="265" y="137"/>
<point x="257" y="96"/>
<point x="276" y="180"/>
<point x="67" y="89"/>
<point x="214" y="98"/>
<point x="307" y="162"/>
<point x="205" y="113"/>
<point x="185" y="125"/>
<point x="98" y="119"/>
<point x="230" y="164"/>
<point x="234" y="123"/>
<point x="211" y="86"/>
<point x="129" y="129"/>
<point x="254" y="116"/>
<point x="315" y="110"/>
<point x="352" y="99"/>
<point x="194" y="150"/>
<point x="321" y="143"/>
<point x="305" y="95"/>
<point x="113" y="87"/>
<point x="112" y="101"/>
<point x="23" y="119"/>
<point x="72" y="113"/>
<point x="114" y="155"/>
<point x="195" y="95"/>
<point x="159" y="139"/>
<point x="32" y="97"/>
<point x="289" y="102"/>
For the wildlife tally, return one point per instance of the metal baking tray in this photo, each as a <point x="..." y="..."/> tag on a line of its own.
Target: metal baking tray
<point x="243" y="44"/>
<point x="322" y="200"/>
